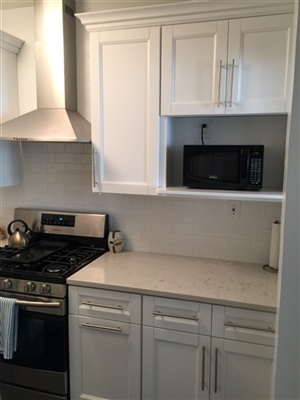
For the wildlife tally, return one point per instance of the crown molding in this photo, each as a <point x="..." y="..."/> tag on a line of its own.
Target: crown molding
<point x="181" y="12"/>
<point x="10" y="42"/>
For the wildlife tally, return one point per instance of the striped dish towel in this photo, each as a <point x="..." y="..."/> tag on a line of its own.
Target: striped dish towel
<point x="8" y="326"/>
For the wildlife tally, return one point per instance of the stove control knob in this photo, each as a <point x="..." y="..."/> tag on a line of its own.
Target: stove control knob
<point x="6" y="284"/>
<point x="29" y="287"/>
<point x="45" y="288"/>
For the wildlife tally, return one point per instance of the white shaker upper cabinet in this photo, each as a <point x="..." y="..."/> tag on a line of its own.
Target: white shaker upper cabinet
<point x="194" y="58"/>
<point x="258" y="64"/>
<point x="236" y="66"/>
<point x="125" y="110"/>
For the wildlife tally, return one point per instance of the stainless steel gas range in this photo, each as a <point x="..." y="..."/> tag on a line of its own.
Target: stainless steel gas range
<point x="61" y="243"/>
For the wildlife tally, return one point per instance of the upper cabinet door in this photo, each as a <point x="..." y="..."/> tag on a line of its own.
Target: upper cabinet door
<point x="227" y="67"/>
<point x="194" y="59"/>
<point x="125" y="110"/>
<point x="259" y="55"/>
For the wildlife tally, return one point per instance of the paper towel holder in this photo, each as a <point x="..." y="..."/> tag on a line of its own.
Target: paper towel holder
<point x="274" y="249"/>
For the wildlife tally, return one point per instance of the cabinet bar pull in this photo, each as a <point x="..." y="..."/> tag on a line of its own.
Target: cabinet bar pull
<point x="216" y="370"/>
<point x="90" y="303"/>
<point x="94" y="168"/>
<point x="160" y="314"/>
<point x="231" y="325"/>
<point x="101" y="327"/>
<point x="219" y="87"/>
<point x="203" y="368"/>
<point x="232" y="75"/>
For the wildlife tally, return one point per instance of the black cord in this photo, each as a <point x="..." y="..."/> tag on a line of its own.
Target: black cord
<point x="203" y="127"/>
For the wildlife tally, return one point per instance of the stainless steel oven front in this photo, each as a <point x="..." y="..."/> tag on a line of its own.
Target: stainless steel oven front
<point x="39" y="367"/>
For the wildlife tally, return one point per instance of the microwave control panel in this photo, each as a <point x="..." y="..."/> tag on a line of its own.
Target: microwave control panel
<point x="255" y="168"/>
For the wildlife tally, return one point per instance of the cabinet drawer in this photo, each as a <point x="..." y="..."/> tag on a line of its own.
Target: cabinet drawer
<point x="179" y="315"/>
<point x="244" y="325"/>
<point x="105" y="304"/>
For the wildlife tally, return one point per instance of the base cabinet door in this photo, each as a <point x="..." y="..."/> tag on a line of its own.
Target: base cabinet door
<point x="175" y="365"/>
<point x="105" y="359"/>
<point x="240" y="370"/>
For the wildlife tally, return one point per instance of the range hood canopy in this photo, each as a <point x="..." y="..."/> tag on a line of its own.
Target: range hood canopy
<point x="56" y="118"/>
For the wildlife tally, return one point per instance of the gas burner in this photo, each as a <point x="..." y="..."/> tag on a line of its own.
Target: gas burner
<point x="63" y="243"/>
<point x="56" y="269"/>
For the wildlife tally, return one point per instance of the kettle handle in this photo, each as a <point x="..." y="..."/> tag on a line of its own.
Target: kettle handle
<point x="26" y="228"/>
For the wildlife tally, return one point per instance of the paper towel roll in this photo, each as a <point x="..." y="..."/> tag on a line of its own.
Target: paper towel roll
<point x="274" y="247"/>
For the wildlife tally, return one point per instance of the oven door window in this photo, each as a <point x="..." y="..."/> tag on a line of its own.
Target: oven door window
<point x="42" y="341"/>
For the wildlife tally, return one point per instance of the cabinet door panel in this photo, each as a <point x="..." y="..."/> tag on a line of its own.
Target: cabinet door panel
<point x="192" y="80"/>
<point x="175" y="365"/>
<point x="104" y="363"/>
<point x="126" y="127"/>
<point x="259" y="62"/>
<point x="240" y="371"/>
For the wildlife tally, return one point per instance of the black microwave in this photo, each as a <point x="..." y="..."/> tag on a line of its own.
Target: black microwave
<point x="225" y="167"/>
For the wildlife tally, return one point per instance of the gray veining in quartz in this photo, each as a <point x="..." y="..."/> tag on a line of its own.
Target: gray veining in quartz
<point x="229" y="283"/>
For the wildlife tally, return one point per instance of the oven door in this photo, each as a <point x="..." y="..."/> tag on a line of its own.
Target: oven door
<point x="39" y="367"/>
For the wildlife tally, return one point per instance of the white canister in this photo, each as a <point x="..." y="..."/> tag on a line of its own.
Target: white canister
<point x="115" y="241"/>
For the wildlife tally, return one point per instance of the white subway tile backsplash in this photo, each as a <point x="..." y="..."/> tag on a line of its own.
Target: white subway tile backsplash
<point x="58" y="176"/>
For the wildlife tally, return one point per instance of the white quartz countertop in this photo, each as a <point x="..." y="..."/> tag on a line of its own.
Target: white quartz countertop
<point x="189" y="278"/>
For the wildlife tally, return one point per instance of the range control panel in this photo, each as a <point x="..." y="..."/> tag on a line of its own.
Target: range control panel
<point x="58" y="220"/>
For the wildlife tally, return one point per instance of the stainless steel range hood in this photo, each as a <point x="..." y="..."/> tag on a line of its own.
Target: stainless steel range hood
<point x="56" y="118"/>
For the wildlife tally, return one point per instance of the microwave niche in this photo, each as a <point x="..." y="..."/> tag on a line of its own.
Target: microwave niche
<point x="225" y="167"/>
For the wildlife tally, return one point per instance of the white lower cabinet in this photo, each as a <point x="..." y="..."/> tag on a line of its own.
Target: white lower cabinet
<point x="242" y="354"/>
<point x="176" y="349"/>
<point x="175" y="365"/>
<point x="105" y="353"/>
<point x="240" y="370"/>
<point x="129" y="346"/>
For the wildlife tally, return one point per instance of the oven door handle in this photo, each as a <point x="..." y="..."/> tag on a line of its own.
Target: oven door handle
<point x="54" y="304"/>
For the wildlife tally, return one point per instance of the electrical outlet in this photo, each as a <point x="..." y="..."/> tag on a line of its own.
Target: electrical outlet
<point x="234" y="209"/>
<point x="206" y="130"/>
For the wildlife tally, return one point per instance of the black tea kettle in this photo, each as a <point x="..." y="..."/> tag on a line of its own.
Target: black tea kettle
<point x="20" y="237"/>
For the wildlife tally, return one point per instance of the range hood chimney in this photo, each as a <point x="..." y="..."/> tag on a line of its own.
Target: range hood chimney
<point x="56" y="118"/>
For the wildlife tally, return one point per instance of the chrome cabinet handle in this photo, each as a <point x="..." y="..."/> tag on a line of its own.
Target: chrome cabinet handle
<point x="203" y="368"/>
<point x="101" y="327"/>
<point x="219" y="88"/>
<point x="90" y="303"/>
<point x="94" y="167"/>
<point x="160" y="314"/>
<point x="216" y="370"/>
<point x="232" y="76"/>
<point x="231" y="325"/>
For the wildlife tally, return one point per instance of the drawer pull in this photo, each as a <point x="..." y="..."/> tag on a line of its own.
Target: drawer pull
<point x="231" y="325"/>
<point x="160" y="314"/>
<point x="101" y="327"/>
<point x="90" y="303"/>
